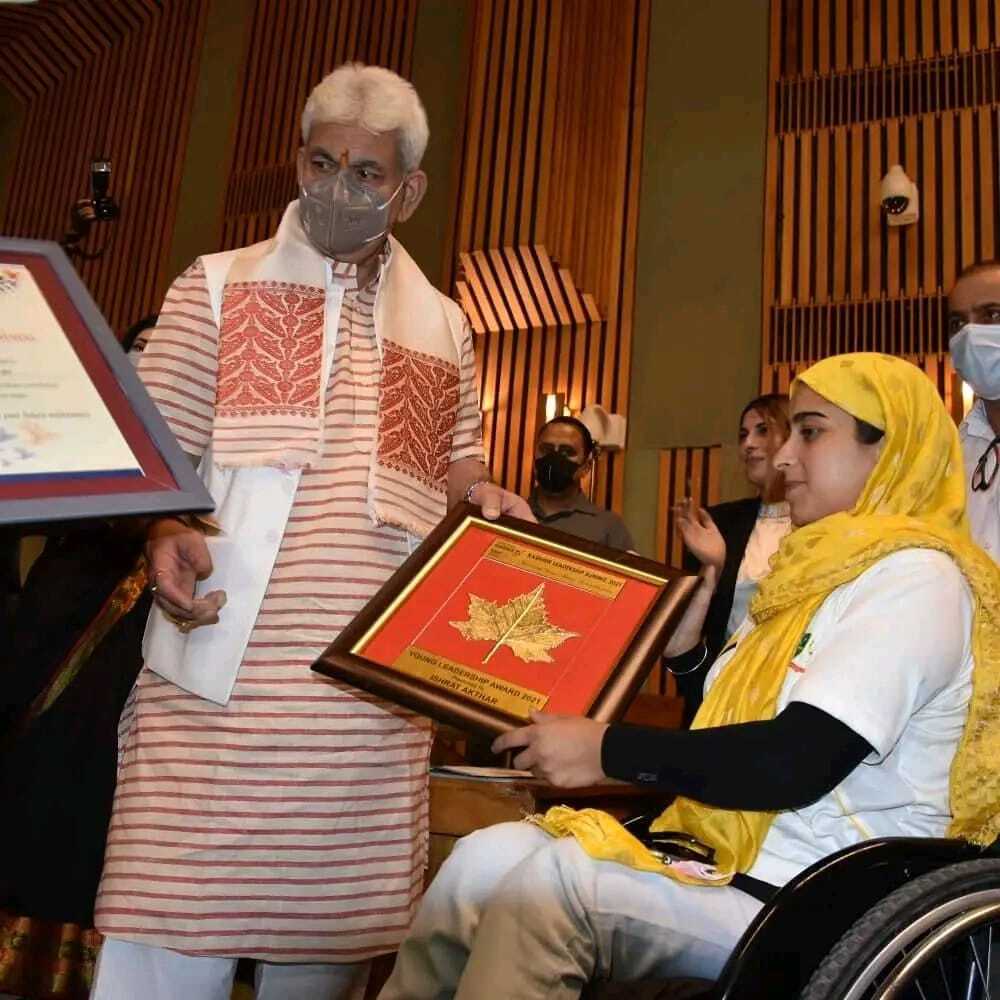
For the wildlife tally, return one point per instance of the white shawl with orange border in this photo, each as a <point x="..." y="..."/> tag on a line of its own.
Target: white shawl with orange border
<point x="277" y="306"/>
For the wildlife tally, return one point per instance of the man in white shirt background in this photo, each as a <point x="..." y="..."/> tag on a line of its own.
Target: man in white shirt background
<point x="974" y="331"/>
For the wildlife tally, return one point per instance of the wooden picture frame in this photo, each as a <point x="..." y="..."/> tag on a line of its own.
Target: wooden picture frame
<point x="158" y="477"/>
<point x="477" y="591"/>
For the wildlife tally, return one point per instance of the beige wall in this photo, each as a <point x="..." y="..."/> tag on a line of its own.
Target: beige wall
<point x="439" y="74"/>
<point x="696" y="346"/>
<point x="198" y="227"/>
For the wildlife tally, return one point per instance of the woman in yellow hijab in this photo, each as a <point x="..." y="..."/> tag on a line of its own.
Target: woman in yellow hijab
<point x="859" y="699"/>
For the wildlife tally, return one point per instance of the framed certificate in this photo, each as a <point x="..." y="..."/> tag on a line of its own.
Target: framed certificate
<point x="490" y="620"/>
<point x="79" y="436"/>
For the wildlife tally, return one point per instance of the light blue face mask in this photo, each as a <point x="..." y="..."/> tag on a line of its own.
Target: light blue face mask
<point x="975" y="353"/>
<point x="341" y="216"/>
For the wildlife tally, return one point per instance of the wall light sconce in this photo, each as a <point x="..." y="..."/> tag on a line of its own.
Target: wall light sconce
<point x="553" y="405"/>
<point x="900" y="198"/>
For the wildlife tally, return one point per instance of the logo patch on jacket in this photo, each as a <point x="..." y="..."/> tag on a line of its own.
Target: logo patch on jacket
<point x="803" y="643"/>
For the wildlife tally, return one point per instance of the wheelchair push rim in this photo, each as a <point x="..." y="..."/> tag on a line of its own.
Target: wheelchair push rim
<point x="922" y="929"/>
<point x="931" y="938"/>
<point x="963" y="927"/>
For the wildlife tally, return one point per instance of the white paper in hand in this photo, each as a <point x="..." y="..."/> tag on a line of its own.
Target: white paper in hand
<point x="252" y="507"/>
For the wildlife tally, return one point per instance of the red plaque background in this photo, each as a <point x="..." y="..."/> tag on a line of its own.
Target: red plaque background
<point x="603" y="626"/>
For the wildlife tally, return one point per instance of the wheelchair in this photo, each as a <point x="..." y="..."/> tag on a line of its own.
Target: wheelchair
<point x="897" y="918"/>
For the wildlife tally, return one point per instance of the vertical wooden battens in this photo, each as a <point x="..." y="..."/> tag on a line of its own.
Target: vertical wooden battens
<point x="93" y="78"/>
<point x="857" y="86"/>
<point x="546" y="226"/>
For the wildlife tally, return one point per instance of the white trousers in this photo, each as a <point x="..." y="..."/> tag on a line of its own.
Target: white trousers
<point x="518" y="915"/>
<point x="129" y="971"/>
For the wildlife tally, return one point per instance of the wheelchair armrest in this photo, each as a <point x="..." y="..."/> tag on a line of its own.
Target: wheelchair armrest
<point x="793" y="933"/>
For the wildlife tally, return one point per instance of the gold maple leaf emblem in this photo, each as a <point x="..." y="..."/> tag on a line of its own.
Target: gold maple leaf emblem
<point x="522" y="625"/>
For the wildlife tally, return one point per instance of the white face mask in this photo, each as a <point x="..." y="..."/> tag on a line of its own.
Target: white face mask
<point x="975" y="353"/>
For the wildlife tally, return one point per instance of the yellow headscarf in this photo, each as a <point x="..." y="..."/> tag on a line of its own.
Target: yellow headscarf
<point x="914" y="498"/>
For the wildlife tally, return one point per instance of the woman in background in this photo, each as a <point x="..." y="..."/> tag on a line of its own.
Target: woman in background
<point x="730" y="547"/>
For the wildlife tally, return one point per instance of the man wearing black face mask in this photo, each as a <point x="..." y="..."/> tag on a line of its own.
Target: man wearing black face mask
<point x="564" y="451"/>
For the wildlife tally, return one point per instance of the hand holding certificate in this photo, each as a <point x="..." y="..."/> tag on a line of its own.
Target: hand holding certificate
<point x="565" y="751"/>
<point x="490" y="621"/>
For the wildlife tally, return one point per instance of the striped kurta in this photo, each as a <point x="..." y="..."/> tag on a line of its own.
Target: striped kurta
<point x="291" y="824"/>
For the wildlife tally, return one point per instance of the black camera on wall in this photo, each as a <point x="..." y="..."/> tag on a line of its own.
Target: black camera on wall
<point x="900" y="198"/>
<point x="105" y="207"/>
<point x="99" y="207"/>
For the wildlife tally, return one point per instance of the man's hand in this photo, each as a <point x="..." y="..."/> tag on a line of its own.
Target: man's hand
<point x="495" y="500"/>
<point x="178" y="557"/>
<point x="564" y="750"/>
<point x="469" y="478"/>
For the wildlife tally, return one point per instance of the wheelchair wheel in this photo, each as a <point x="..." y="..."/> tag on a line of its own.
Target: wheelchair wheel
<point x="931" y="939"/>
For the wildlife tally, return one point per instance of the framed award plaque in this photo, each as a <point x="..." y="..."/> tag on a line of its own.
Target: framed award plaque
<point x="79" y="436"/>
<point x="490" y="620"/>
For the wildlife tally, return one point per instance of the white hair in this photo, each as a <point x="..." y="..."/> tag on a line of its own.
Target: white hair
<point x="374" y="98"/>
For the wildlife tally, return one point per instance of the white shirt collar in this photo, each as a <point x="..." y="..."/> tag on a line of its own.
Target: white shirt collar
<point x="977" y="424"/>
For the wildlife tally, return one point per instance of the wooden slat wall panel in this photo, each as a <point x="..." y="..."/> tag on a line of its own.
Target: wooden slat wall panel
<point x="952" y="157"/>
<point x="944" y="83"/>
<point x="92" y="77"/>
<point x="293" y="45"/>
<point x="867" y="34"/>
<point x="898" y="325"/>
<point x="544" y="244"/>
<point x="42" y="45"/>
<point x="516" y="303"/>
<point x="857" y="86"/>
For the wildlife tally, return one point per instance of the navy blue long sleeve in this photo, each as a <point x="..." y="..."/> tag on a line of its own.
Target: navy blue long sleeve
<point x="785" y="763"/>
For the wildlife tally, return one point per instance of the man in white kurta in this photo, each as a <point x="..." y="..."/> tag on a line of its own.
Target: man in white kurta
<point x="287" y="822"/>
